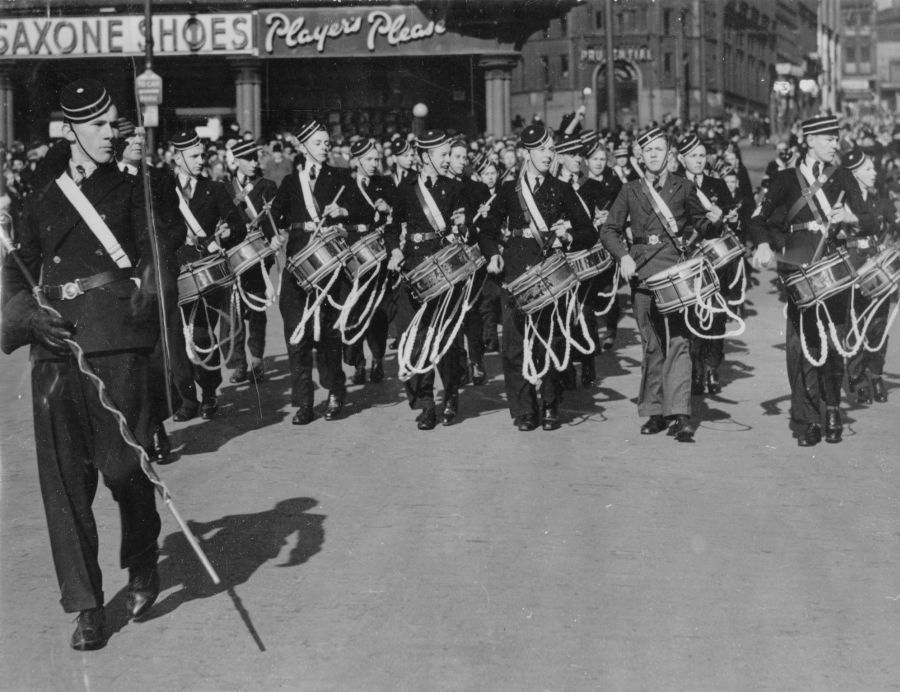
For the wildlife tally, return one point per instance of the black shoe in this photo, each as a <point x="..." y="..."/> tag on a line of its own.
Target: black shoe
<point x="525" y="423"/>
<point x="863" y="395"/>
<point x="304" y="415"/>
<point x="451" y="406"/>
<point x="335" y="406"/>
<point x="359" y="375"/>
<point x="681" y="428"/>
<point x="209" y="407"/>
<point x="811" y="436"/>
<point x="655" y="424"/>
<point x="713" y="385"/>
<point x="609" y="340"/>
<point x="377" y="373"/>
<point x="588" y="373"/>
<point x="427" y="419"/>
<point x="697" y="386"/>
<point x="878" y="390"/>
<point x="550" y="419"/>
<point x="833" y="426"/>
<point x="478" y="374"/>
<point x="239" y="375"/>
<point x="142" y="591"/>
<point x="257" y="373"/>
<point x="160" y="447"/>
<point x="569" y="379"/>
<point x="90" y="630"/>
<point x="185" y="412"/>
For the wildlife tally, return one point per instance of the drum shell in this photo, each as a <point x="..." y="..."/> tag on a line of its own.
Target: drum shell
<point x="440" y="272"/>
<point x="586" y="264"/>
<point x="819" y="281"/>
<point x="365" y="254"/>
<point x="674" y="288"/>
<point x="880" y="274"/>
<point x="542" y="285"/>
<point x="247" y="254"/>
<point x="319" y="259"/>
<point x="721" y="251"/>
<point x="204" y="276"/>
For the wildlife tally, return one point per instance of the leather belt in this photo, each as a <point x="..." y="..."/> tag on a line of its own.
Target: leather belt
<point x="522" y="233"/>
<point x="73" y="289"/>
<point x="357" y="227"/>
<point x="651" y="240"/>
<point x="808" y="226"/>
<point x="421" y="237"/>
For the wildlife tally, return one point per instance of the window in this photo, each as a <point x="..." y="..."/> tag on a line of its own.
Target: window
<point x="667" y="22"/>
<point x="894" y="69"/>
<point x="865" y="54"/>
<point x="865" y="18"/>
<point x="545" y="65"/>
<point x="598" y="18"/>
<point x="563" y="26"/>
<point x="564" y="66"/>
<point x="667" y="64"/>
<point x="849" y="54"/>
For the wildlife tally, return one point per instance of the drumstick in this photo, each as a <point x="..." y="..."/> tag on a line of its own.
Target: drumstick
<point x="334" y="201"/>
<point x="486" y="204"/>
<point x="825" y="233"/>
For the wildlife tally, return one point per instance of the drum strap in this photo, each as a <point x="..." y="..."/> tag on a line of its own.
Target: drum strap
<point x="430" y="207"/>
<point x="242" y="193"/>
<point x="704" y="200"/>
<point x="312" y="206"/>
<point x="663" y="213"/>
<point x="637" y="167"/>
<point x="194" y="227"/>
<point x="539" y="227"/>
<point x="362" y="189"/>
<point x="93" y="220"/>
<point x="621" y="173"/>
<point x="809" y="188"/>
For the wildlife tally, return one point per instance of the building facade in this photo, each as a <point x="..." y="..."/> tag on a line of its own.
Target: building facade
<point x="682" y="58"/>
<point x="359" y="66"/>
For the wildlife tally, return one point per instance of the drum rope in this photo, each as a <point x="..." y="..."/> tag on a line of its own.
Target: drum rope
<point x="312" y="310"/>
<point x="832" y="329"/>
<point x="202" y="356"/>
<point x="865" y="319"/>
<point x="739" y="274"/>
<point x="887" y="329"/>
<point x="611" y="295"/>
<point x="823" y="341"/>
<point x="343" y="323"/>
<point x="250" y="300"/>
<point x="581" y="322"/>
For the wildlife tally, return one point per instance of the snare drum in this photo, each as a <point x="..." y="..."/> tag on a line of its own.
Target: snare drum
<point x="722" y="250"/>
<point x="366" y="254"/>
<point x="439" y="273"/>
<point x="880" y="274"/>
<point x="541" y="285"/>
<point x="324" y="253"/>
<point x="817" y="282"/>
<point x="203" y="276"/>
<point x="253" y="250"/>
<point x="589" y="263"/>
<point x="675" y="288"/>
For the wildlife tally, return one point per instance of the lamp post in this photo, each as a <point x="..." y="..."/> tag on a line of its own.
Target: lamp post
<point x="420" y="112"/>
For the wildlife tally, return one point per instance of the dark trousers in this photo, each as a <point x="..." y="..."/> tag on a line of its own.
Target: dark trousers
<point x="420" y="388"/>
<point x="587" y="293"/>
<point x="867" y="362"/>
<point x="521" y="395"/>
<point x="300" y="355"/>
<point x="251" y="335"/>
<point x="184" y="372"/>
<point x="812" y="386"/>
<point x="473" y="327"/>
<point x="604" y="284"/>
<point x="76" y="439"/>
<point x="489" y="308"/>
<point x="666" y="364"/>
<point x="708" y="353"/>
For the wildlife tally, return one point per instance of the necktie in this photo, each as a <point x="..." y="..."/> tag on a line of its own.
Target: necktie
<point x="82" y="174"/>
<point x="697" y="180"/>
<point x="312" y="172"/>
<point x="429" y="183"/>
<point x="817" y="170"/>
<point x="537" y="184"/>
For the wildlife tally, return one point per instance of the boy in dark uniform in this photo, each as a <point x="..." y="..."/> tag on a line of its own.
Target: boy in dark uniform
<point x="84" y="235"/>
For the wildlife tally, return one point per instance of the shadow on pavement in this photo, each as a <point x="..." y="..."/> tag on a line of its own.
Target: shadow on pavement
<point x="237" y="546"/>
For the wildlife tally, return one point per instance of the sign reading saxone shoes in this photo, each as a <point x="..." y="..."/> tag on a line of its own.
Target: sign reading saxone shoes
<point x="385" y="31"/>
<point x="117" y="35"/>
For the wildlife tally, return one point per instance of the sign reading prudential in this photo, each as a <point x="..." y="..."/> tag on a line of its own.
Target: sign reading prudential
<point x="117" y="35"/>
<point x="358" y="31"/>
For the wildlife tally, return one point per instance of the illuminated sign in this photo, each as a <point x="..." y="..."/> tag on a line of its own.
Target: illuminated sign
<point x="117" y="35"/>
<point x="632" y="53"/>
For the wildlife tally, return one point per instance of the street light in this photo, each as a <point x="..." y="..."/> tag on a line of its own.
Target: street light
<point x="420" y="112"/>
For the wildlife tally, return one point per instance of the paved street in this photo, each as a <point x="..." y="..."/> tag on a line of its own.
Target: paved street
<point x="362" y="554"/>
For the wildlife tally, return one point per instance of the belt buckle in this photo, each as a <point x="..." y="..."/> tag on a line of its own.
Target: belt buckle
<point x="653" y="239"/>
<point x="71" y="290"/>
<point x="815" y="226"/>
<point x="527" y="233"/>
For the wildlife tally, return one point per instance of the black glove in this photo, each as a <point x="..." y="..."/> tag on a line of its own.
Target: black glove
<point x="50" y="331"/>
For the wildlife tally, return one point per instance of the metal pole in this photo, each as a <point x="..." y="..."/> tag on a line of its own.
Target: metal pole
<point x="149" y="135"/>
<point x="610" y="70"/>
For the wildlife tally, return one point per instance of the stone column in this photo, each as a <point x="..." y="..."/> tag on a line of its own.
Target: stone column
<point x="248" y="94"/>
<point x="497" y="78"/>
<point x="7" y="106"/>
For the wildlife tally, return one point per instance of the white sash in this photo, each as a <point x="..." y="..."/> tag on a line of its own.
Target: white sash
<point x="432" y="205"/>
<point x="194" y="227"/>
<point x="637" y="167"/>
<point x="663" y="207"/>
<point x="246" y="190"/>
<point x="93" y="220"/>
<point x="621" y="173"/>
<point x="808" y="176"/>
<point x="704" y="200"/>
<point x="362" y="188"/>
<point x="308" y="199"/>
<point x="536" y="220"/>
